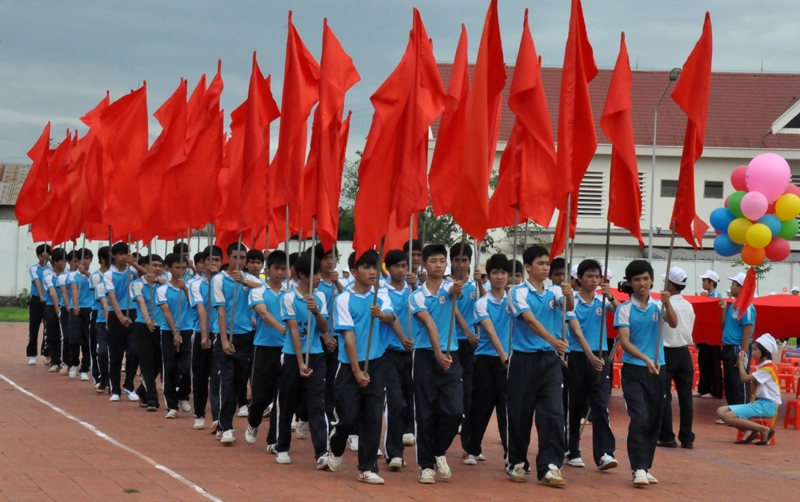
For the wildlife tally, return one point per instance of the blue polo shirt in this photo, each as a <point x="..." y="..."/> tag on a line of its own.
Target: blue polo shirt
<point x="50" y="281"/>
<point x="545" y="307"/>
<point x="439" y="305"/>
<point x="85" y="294"/>
<point x="352" y="314"/>
<point x="466" y="306"/>
<point x="715" y="294"/>
<point x="222" y="286"/>
<point x="266" y="335"/>
<point x="63" y="280"/>
<point x="735" y="323"/>
<point x="399" y="300"/>
<point x="119" y="282"/>
<point x="590" y="317"/>
<point x="142" y="289"/>
<point x="99" y="293"/>
<point x="498" y="312"/>
<point x="642" y="321"/>
<point x="172" y="297"/>
<point x="294" y="308"/>
<point x="199" y="293"/>
<point x="95" y="278"/>
<point x="36" y="271"/>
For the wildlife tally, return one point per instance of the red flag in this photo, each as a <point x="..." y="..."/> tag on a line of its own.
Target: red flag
<point x="93" y="170"/>
<point x="700" y="229"/>
<point x="747" y="293"/>
<point x="624" y="195"/>
<point x="49" y="222"/>
<point x="393" y="169"/>
<point x="692" y="95"/>
<point x="397" y="237"/>
<point x="577" y="138"/>
<point x="122" y="129"/>
<point x="323" y="173"/>
<point x="33" y="192"/>
<point x="300" y="94"/>
<point x="529" y="160"/>
<point x="448" y="154"/>
<point x="483" y="120"/>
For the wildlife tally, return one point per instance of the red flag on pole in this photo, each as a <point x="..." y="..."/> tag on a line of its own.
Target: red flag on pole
<point x="392" y="174"/>
<point x="692" y="94"/>
<point x="747" y="293"/>
<point x="624" y="194"/>
<point x="46" y="224"/>
<point x="323" y="173"/>
<point x="87" y="160"/>
<point x="700" y="229"/>
<point x="528" y="165"/>
<point x="577" y="138"/>
<point x="33" y="192"/>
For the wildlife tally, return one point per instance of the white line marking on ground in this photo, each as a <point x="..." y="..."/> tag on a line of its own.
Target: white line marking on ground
<point x="116" y="443"/>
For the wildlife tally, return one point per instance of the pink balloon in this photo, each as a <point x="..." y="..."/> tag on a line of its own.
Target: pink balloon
<point x="778" y="249"/>
<point x="792" y="189"/>
<point x="726" y="200"/>
<point x="738" y="179"/>
<point x="754" y="205"/>
<point x="769" y="174"/>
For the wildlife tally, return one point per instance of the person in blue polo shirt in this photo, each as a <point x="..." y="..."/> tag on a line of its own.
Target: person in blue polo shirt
<point x="329" y="286"/>
<point x="534" y="371"/>
<point x="83" y="298"/>
<point x="637" y="322"/>
<point x="66" y="305"/>
<point x="147" y="329"/>
<point x="299" y="378"/>
<point x="492" y="319"/>
<point x="709" y="357"/>
<point x="97" y="332"/>
<point x="52" y="310"/>
<point x="737" y="334"/>
<point x="359" y="395"/>
<point x="36" y="305"/>
<point x="265" y="301"/>
<point x="438" y="391"/>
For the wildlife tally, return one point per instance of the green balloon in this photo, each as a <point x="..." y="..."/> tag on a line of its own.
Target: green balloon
<point x="735" y="202"/>
<point x="788" y="229"/>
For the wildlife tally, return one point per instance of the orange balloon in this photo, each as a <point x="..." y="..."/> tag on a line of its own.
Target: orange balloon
<point x="753" y="256"/>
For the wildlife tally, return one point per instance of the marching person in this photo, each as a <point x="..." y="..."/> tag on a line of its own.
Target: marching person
<point x="99" y="349"/>
<point x="147" y="329"/>
<point x="52" y="308"/>
<point x="205" y="377"/>
<point x="709" y="357"/>
<point x="81" y="318"/>
<point x="37" y="303"/>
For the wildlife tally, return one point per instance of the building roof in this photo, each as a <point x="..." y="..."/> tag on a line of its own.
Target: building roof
<point x="742" y="109"/>
<point x="11" y="178"/>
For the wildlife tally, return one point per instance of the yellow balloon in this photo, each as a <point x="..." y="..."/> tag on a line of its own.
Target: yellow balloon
<point x="787" y="207"/>
<point x="737" y="230"/>
<point x="759" y="235"/>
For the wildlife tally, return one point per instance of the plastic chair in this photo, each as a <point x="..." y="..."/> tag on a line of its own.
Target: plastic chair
<point x="792" y="416"/>
<point x="769" y="422"/>
<point x="786" y="382"/>
<point x="616" y="382"/>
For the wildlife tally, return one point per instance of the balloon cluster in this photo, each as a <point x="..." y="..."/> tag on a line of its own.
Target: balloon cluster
<point x="761" y="216"/>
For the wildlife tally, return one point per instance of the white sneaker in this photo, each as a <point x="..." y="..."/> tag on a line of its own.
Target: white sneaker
<point x="251" y="434"/>
<point x="73" y="372"/>
<point x="242" y="411"/>
<point x="651" y="479"/>
<point x="380" y="453"/>
<point x="218" y="434"/>
<point x="114" y="398"/>
<point x="199" y="424"/>
<point x="53" y="368"/>
<point x="640" y="477"/>
<point x="214" y="426"/>
<point x="607" y="462"/>
<point x="133" y="396"/>
<point x="283" y="457"/>
<point x="370" y="477"/>
<point x="426" y="477"/>
<point x="322" y="463"/>
<point x="481" y="458"/>
<point x="334" y="463"/>
<point x="720" y="421"/>
<point x="518" y="474"/>
<point x="302" y="430"/>
<point x="576" y="462"/>
<point x="64" y="369"/>
<point x="171" y="414"/>
<point x="268" y="411"/>
<point x="32" y="361"/>
<point x="409" y="440"/>
<point x="442" y="468"/>
<point x="84" y="377"/>
<point x="470" y="460"/>
<point x="553" y="476"/>
<point x="48" y="361"/>
<point x="272" y="449"/>
<point x="707" y="396"/>
<point x="353" y="440"/>
<point x="227" y="438"/>
<point x="396" y="464"/>
<point x="294" y="423"/>
<point x="186" y="407"/>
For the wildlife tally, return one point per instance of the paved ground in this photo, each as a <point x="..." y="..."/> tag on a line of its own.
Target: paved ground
<point x="59" y="440"/>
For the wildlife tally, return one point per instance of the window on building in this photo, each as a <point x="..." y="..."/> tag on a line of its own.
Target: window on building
<point x="713" y="190"/>
<point x="590" y="201"/>
<point x="669" y="188"/>
<point x="643" y="190"/>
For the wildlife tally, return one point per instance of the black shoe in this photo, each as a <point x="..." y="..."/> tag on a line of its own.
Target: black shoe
<point x="668" y="444"/>
<point x="688" y="445"/>
<point x="152" y="407"/>
<point x="142" y="404"/>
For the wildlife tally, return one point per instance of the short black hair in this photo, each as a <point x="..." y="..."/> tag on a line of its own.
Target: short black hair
<point x="303" y="265"/>
<point x="57" y="254"/>
<point x="255" y="255"/>
<point x="120" y="248"/>
<point x="557" y="264"/>
<point x="135" y="254"/>
<point x="764" y="352"/>
<point x="172" y="258"/>
<point x="638" y="267"/>
<point x="233" y="246"/>
<point x="416" y="245"/>
<point x="434" y="250"/>
<point x="455" y="250"/>
<point x="498" y="262"/>
<point x="368" y="258"/>
<point x="103" y="254"/>
<point x="86" y="253"/>
<point x="198" y="257"/>
<point x="293" y="259"/>
<point x="180" y="247"/>
<point x="320" y="252"/>
<point x="212" y="251"/>
<point x="394" y="257"/>
<point x="587" y="265"/>
<point x="71" y="255"/>
<point x="711" y="281"/>
<point x="534" y="252"/>
<point x="276" y="257"/>
<point x="678" y="287"/>
<point x="145" y="260"/>
<point x="43" y="248"/>
<point x="520" y="268"/>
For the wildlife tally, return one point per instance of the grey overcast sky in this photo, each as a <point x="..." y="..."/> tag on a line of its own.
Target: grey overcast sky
<point x="58" y="58"/>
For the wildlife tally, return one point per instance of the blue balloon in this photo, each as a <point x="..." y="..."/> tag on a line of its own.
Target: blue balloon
<point x="724" y="246"/>
<point x="773" y="223"/>
<point x="721" y="218"/>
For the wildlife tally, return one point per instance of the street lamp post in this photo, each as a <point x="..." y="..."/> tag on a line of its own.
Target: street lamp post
<point x="673" y="76"/>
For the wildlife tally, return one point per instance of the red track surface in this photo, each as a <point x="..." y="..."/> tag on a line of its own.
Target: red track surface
<point x="45" y="455"/>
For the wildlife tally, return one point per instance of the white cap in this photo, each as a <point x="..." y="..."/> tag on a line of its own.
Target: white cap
<point x="738" y="278"/>
<point x="772" y="293"/>
<point x="677" y="275"/>
<point x="795" y="288"/>
<point x="710" y="275"/>
<point x="728" y="290"/>
<point x="768" y="342"/>
<point x="607" y="273"/>
<point x="574" y="273"/>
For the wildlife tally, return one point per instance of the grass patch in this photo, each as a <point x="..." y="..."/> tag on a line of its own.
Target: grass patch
<point x="130" y="490"/>
<point x="13" y="314"/>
